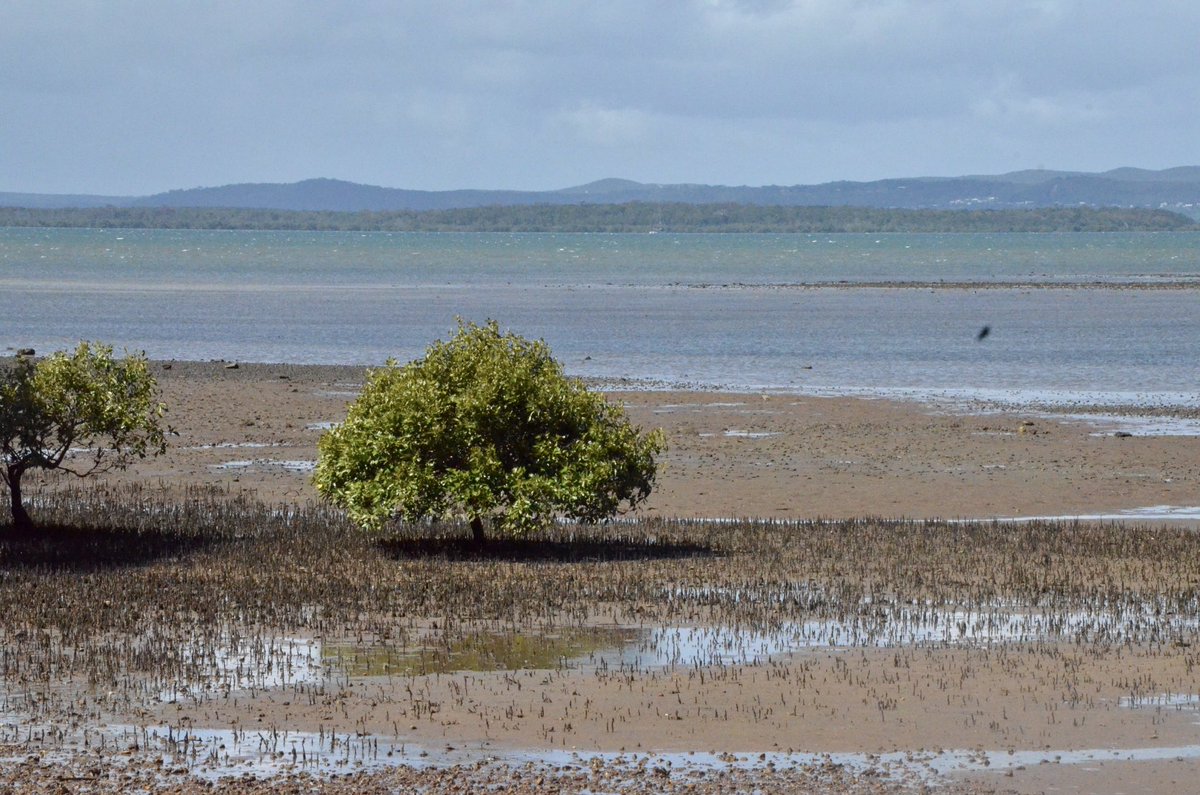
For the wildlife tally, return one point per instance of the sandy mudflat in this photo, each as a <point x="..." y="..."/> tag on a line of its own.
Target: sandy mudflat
<point x="730" y="455"/>
<point x="254" y="429"/>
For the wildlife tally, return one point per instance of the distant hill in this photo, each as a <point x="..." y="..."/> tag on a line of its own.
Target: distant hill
<point x="1176" y="189"/>
<point x="333" y="195"/>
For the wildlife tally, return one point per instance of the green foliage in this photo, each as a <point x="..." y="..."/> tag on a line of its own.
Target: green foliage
<point x="82" y="412"/>
<point x="485" y="426"/>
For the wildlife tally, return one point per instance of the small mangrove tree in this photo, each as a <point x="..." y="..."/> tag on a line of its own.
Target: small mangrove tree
<point x="83" y="412"/>
<point x="486" y="428"/>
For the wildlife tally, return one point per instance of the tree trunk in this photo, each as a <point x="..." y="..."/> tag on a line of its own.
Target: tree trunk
<point x="21" y="521"/>
<point x="477" y="530"/>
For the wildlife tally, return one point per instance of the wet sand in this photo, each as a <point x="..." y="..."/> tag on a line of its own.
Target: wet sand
<point x="254" y="429"/>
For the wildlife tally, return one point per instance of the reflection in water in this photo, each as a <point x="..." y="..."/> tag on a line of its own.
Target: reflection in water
<point x="232" y="662"/>
<point x="245" y="663"/>
<point x="588" y="648"/>
<point x="274" y="662"/>
<point x="567" y="648"/>
<point x="217" y="754"/>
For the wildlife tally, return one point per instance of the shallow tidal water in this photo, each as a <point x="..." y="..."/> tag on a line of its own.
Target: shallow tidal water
<point x="1074" y="315"/>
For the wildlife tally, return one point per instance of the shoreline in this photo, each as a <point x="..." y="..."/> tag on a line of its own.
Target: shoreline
<point x="1178" y="404"/>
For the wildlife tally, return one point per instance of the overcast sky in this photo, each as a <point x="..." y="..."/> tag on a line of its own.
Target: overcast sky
<point x="139" y="97"/>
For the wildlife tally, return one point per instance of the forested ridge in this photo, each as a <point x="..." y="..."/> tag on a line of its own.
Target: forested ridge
<point x="626" y="217"/>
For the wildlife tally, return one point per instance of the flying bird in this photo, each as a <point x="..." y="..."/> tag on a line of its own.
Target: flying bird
<point x="983" y="332"/>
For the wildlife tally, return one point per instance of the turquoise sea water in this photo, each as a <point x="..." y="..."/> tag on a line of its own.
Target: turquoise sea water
<point x="1078" y="314"/>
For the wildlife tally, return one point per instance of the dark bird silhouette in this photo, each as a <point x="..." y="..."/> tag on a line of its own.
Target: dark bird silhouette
<point x="983" y="332"/>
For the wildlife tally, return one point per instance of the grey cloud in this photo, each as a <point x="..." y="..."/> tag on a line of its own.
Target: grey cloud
<point x="128" y="96"/>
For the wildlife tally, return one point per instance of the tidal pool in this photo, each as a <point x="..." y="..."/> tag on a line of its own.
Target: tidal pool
<point x="642" y="648"/>
<point x="215" y="754"/>
<point x="246" y="663"/>
<point x="567" y="648"/>
<point x="262" y="464"/>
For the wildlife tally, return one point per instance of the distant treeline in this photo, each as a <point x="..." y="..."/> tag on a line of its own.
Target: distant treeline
<point x="631" y="217"/>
